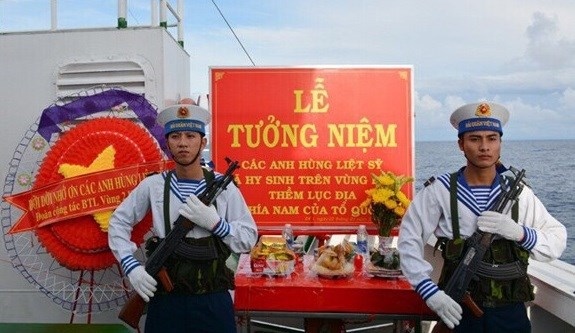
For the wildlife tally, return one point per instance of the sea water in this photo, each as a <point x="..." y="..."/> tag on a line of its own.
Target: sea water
<point x="549" y="166"/>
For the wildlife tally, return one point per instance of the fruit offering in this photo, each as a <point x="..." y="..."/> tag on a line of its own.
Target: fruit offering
<point x="271" y="256"/>
<point x="334" y="261"/>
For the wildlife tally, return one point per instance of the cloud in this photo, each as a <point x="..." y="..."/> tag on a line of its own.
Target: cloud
<point x="568" y="99"/>
<point x="517" y="52"/>
<point x="545" y="47"/>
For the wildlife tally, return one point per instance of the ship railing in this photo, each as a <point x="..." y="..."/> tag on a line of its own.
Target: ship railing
<point x="163" y="13"/>
<point x="554" y="288"/>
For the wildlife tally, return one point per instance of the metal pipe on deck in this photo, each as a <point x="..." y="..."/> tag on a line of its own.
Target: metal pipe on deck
<point x="122" y="10"/>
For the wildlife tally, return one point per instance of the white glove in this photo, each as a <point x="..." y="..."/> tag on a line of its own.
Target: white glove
<point x="143" y="283"/>
<point x="446" y="308"/>
<point x="503" y="225"/>
<point x="196" y="211"/>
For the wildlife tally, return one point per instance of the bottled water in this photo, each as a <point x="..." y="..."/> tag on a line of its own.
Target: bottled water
<point x="362" y="240"/>
<point x="287" y="234"/>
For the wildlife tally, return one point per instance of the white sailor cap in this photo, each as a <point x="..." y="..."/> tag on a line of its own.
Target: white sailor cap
<point x="483" y="116"/>
<point x="184" y="117"/>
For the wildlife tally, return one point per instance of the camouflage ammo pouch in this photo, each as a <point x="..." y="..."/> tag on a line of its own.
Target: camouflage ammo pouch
<point x="502" y="278"/>
<point x="196" y="274"/>
<point x="505" y="285"/>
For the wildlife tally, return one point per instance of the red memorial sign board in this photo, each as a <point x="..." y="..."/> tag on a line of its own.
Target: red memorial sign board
<point x="309" y="139"/>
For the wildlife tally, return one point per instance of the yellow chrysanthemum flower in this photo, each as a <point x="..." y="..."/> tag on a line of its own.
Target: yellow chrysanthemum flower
<point x="390" y="204"/>
<point x="385" y="180"/>
<point x="386" y="200"/>
<point x="399" y="211"/>
<point x="403" y="199"/>
<point x="381" y="195"/>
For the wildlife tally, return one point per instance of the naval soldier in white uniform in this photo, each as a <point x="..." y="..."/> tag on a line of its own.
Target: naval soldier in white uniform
<point x="201" y="301"/>
<point x="529" y="232"/>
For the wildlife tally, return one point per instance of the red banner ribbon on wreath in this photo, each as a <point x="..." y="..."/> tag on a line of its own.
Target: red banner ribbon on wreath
<point x="78" y="196"/>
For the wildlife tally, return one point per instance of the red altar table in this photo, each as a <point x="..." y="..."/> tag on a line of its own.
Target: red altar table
<point x="303" y="294"/>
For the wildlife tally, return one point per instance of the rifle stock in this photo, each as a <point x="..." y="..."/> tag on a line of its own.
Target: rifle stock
<point x="440" y="327"/>
<point x="471" y="305"/>
<point x="134" y="308"/>
<point x="165" y="279"/>
<point x="479" y="242"/>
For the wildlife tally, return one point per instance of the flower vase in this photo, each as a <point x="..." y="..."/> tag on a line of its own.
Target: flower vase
<point x="390" y="253"/>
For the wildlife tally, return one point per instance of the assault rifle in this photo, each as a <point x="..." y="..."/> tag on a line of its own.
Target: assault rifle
<point x="479" y="242"/>
<point x="132" y="311"/>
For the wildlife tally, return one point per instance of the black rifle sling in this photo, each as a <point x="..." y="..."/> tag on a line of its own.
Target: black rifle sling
<point x="167" y="224"/>
<point x="453" y="204"/>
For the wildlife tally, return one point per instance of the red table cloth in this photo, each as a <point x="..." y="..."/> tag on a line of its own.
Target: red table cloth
<point x="303" y="291"/>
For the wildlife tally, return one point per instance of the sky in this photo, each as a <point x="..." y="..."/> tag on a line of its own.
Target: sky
<point x="519" y="53"/>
